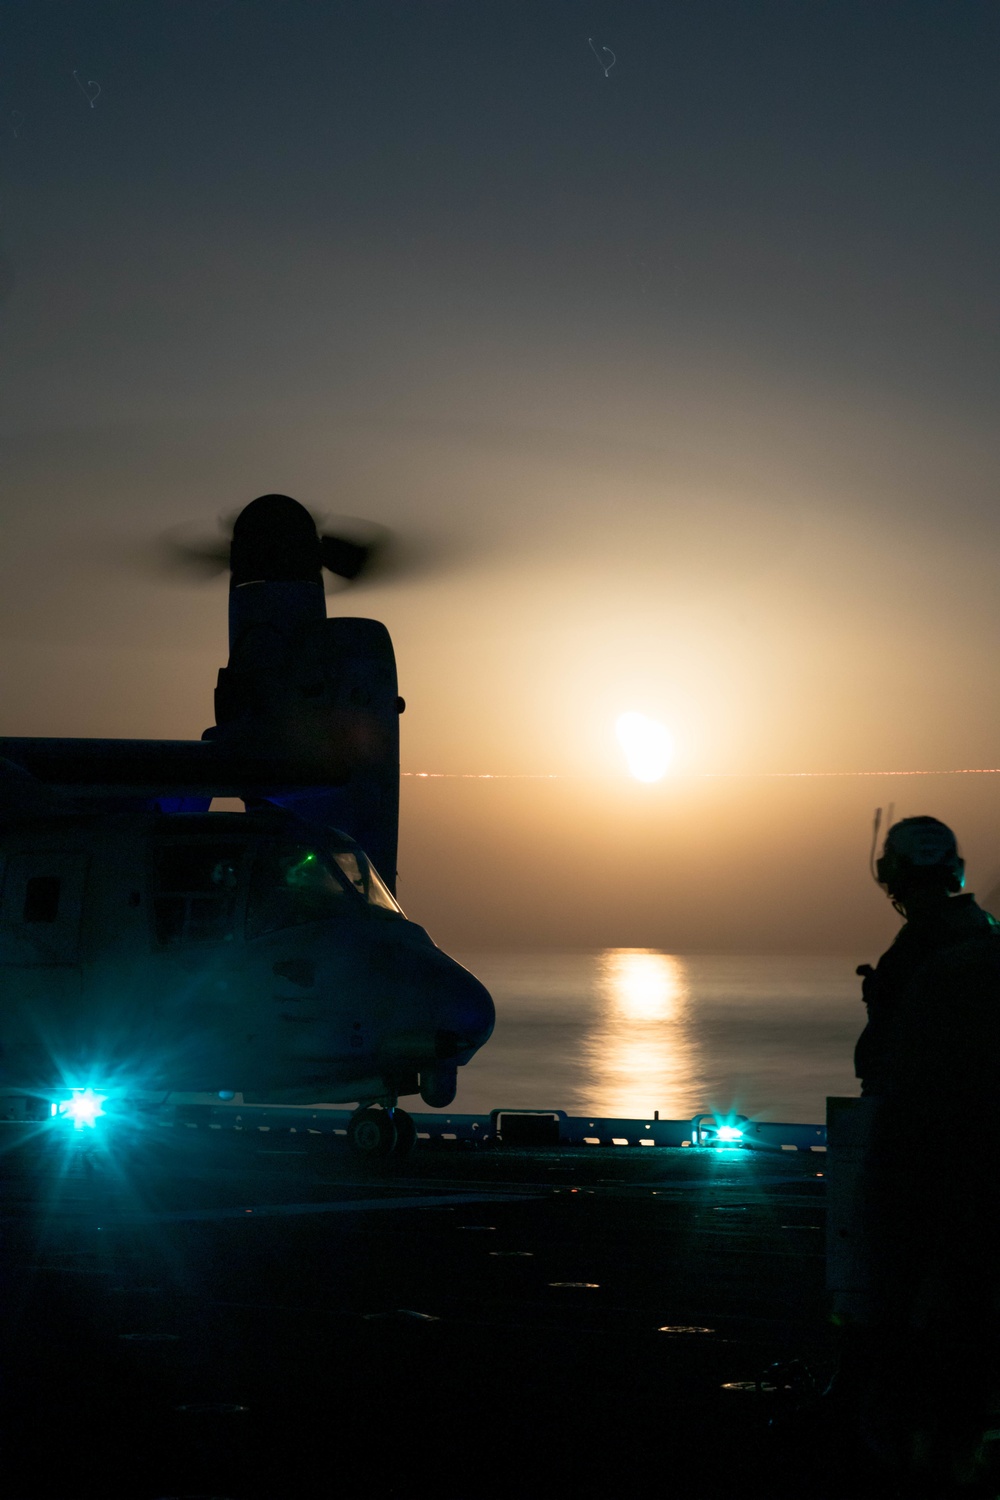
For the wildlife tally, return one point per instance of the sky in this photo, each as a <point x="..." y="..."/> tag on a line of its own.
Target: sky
<point x="679" y="372"/>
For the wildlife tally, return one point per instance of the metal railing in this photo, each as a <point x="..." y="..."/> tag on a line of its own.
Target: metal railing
<point x="499" y="1127"/>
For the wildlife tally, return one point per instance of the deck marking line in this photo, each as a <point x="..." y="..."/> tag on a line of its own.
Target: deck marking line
<point x="346" y="1206"/>
<point x="718" y="1184"/>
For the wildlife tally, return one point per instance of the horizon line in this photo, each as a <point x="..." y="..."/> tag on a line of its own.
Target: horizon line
<point x="680" y="775"/>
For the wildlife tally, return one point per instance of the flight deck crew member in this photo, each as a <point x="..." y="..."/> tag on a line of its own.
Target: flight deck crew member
<point x="929" y="1366"/>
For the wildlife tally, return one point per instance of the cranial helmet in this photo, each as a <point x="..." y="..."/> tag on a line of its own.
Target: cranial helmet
<point x="920" y="851"/>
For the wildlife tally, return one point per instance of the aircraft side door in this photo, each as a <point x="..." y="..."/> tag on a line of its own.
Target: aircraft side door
<point x="41" y="908"/>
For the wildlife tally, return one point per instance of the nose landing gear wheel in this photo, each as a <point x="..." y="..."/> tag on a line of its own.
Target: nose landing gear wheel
<point x="372" y="1132"/>
<point x="406" y="1132"/>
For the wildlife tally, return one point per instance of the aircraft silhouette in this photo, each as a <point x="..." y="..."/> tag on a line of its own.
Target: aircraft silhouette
<point x="151" y="947"/>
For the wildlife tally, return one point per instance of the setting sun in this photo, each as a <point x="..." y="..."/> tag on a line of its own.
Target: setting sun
<point x="648" y="746"/>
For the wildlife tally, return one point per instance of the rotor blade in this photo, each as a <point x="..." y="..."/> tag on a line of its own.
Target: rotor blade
<point x="345" y="558"/>
<point x="179" y="551"/>
<point x="381" y="555"/>
<point x="353" y="549"/>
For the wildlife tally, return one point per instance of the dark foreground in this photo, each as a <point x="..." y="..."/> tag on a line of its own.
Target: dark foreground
<point x="200" y="1313"/>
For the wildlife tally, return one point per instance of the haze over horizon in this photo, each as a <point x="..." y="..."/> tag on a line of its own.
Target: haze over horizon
<point x="686" y="376"/>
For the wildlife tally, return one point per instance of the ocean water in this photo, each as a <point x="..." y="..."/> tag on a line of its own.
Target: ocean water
<point x="626" y="1031"/>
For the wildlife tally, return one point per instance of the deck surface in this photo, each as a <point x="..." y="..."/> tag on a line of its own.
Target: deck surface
<point x="259" y="1315"/>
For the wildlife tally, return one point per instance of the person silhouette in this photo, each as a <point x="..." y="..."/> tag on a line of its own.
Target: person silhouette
<point x="927" y="1370"/>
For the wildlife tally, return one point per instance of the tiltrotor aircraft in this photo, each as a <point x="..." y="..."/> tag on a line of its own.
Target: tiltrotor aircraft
<point x="150" y="947"/>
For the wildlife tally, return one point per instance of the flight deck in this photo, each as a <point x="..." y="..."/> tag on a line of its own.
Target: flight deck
<point x="241" y="1308"/>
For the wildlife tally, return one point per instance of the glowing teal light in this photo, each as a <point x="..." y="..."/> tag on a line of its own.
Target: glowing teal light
<point x="728" y="1133"/>
<point x="83" y="1107"/>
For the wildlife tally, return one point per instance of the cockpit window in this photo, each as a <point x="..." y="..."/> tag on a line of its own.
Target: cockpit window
<point x="196" y="886"/>
<point x="291" y="885"/>
<point x="365" y="880"/>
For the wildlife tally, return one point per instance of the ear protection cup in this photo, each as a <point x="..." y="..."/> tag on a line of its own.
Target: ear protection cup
<point x="920" y="844"/>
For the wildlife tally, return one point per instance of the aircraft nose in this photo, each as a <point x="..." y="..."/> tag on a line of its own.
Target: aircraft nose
<point x="465" y="1015"/>
<point x="438" y="1011"/>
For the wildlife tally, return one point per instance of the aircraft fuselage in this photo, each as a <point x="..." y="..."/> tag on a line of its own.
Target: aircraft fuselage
<point x="221" y="953"/>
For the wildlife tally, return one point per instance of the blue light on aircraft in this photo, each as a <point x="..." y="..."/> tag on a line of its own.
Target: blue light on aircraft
<point x="83" y="1107"/>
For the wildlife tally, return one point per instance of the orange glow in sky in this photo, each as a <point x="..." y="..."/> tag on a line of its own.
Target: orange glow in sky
<point x="673" y="387"/>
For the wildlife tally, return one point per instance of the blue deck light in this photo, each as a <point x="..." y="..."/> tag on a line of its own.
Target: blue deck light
<point x="720" y="1131"/>
<point x="83" y="1107"/>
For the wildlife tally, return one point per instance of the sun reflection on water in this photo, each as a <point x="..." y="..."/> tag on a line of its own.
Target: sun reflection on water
<point x="640" y="1053"/>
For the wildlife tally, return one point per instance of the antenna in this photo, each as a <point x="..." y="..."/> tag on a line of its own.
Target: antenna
<point x="876" y="824"/>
